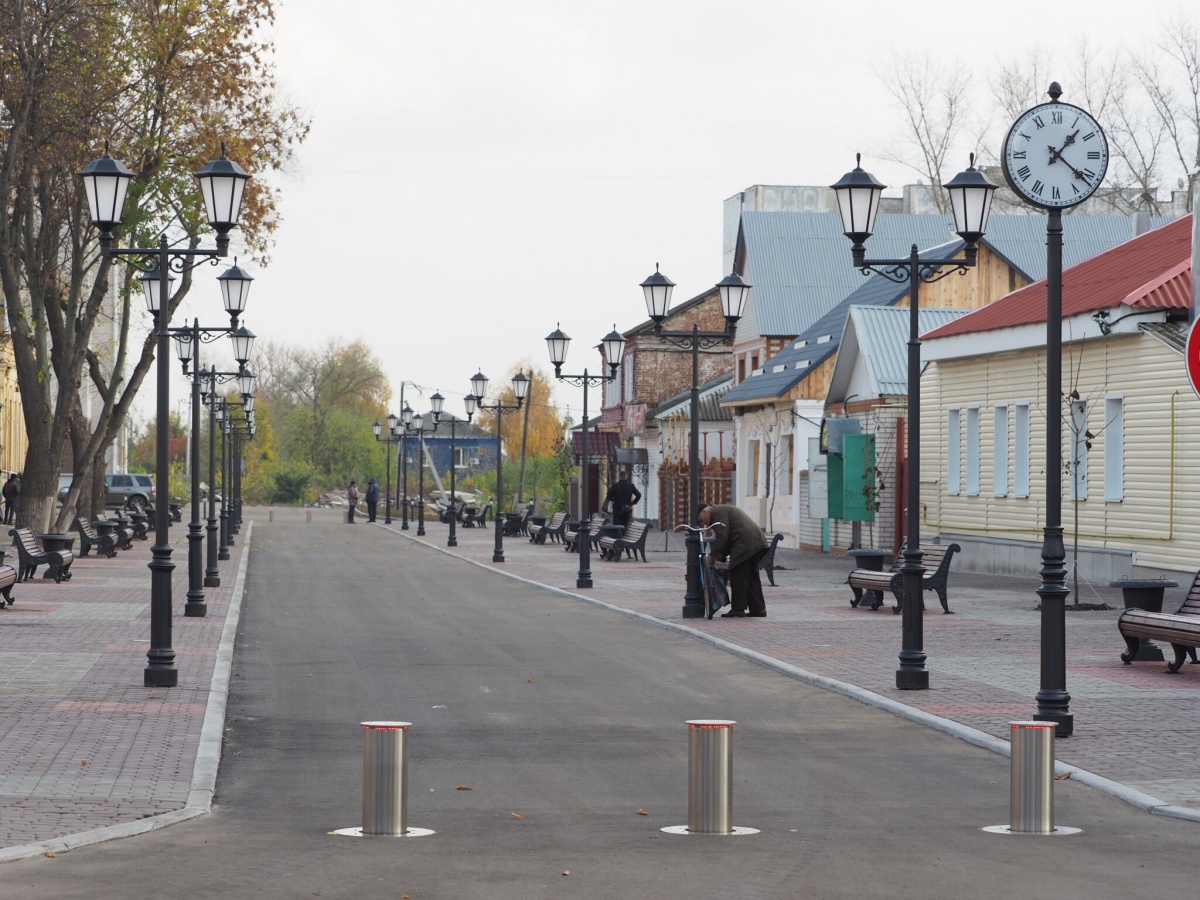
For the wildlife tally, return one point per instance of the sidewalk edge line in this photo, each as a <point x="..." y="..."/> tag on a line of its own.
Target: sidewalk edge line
<point x="208" y="754"/>
<point x="973" y="736"/>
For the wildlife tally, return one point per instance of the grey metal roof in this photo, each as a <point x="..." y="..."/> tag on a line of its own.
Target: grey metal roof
<point x="879" y="336"/>
<point x="799" y="263"/>
<point x="786" y="369"/>
<point x="711" y="394"/>
<point x="1021" y="240"/>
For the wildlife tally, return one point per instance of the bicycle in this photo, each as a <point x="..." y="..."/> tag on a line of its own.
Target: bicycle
<point x="714" y="578"/>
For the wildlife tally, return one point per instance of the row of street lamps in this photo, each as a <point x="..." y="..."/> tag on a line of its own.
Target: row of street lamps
<point x="222" y="186"/>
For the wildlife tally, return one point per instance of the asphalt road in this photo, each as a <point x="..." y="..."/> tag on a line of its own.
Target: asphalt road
<point x="567" y="723"/>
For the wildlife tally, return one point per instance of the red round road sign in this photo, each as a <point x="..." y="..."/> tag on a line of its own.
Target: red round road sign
<point x="1191" y="356"/>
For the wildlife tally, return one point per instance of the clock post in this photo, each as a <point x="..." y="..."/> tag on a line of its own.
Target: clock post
<point x="1055" y="157"/>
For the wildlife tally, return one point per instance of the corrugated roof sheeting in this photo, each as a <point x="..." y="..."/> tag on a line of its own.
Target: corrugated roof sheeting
<point x="882" y="334"/>
<point x="809" y="350"/>
<point x="1171" y="290"/>
<point x="711" y="394"/>
<point x="799" y="263"/>
<point x="1102" y="282"/>
<point x="1022" y="239"/>
<point x="1173" y="334"/>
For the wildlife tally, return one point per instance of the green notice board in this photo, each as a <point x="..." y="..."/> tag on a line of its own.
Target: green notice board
<point x="852" y="479"/>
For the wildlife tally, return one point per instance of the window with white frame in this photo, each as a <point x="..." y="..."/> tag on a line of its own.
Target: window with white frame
<point x="462" y="456"/>
<point x="1021" y="451"/>
<point x="953" y="453"/>
<point x="1000" y="452"/>
<point x="973" y="451"/>
<point x="1114" y="449"/>
<point x="627" y="376"/>
<point x="1079" y="440"/>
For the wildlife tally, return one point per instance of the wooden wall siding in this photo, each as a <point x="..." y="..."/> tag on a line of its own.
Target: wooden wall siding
<point x="990" y="279"/>
<point x="1159" y="517"/>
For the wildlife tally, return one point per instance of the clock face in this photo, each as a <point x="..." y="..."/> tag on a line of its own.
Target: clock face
<point x="1055" y="155"/>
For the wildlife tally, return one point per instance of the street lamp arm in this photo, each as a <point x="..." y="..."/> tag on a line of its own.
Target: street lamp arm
<point x="899" y="271"/>
<point x="584" y="379"/>
<point x="704" y="340"/>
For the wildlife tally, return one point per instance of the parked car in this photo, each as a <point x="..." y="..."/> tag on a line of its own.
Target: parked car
<point x="133" y="490"/>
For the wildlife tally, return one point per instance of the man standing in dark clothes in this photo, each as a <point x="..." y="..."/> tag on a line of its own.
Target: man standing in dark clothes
<point x="624" y="497"/>
<point x="12" y="493"/>
<point x="740" y="541"/>
<point x="372" y="498"/>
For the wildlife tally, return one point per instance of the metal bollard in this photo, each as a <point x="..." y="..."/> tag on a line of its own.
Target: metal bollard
<point x="710" y="776"/>
<point x="271" y="516"/>
<point x="1031" y="785"/>
<point x="308" y="516"/>
<point x="385" y="783"/>
<point x="710" y="779"/>
<point x="1031" y="790"/>
<point x="385" y="777"/>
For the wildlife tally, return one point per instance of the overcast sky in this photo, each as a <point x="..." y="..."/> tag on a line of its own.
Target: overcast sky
<point x="479" y="171"/>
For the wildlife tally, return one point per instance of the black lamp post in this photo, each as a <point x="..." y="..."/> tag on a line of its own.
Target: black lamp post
<point x="858" y="195"/>
<point x="222" y="185"/>
<point x="391" y="439"/>
<point x="479" y="384"/>
<point x="657" y="292"/>
<point x="614" y="349"/>
<point x="187" y="347"/>
<point x="436" y="402"/>
<point x="406" y="418"/>
<point x="419" y="429"/>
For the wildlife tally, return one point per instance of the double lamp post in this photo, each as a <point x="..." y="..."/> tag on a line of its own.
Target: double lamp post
<point x="858" y="196"/>
<point x="479" y="386"/>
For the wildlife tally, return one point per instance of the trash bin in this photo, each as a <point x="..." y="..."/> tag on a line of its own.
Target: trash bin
<point x="1147" y="594"/>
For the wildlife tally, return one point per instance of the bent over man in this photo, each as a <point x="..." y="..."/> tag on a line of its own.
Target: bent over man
<point x="740" y="541"/>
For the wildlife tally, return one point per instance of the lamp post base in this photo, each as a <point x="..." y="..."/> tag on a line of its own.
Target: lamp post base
<point x="912" y="679"/>
<point x="1064" y="723"/>
<point x="693" y="599"/>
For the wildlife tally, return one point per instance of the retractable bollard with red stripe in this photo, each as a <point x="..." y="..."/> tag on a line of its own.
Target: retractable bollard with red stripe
<point x="385" y="783"/>
<point x="1031" y="786"/>
<point x="710" y="780"/>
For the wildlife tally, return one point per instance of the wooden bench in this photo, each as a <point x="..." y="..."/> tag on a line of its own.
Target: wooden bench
<point x="936" y="561"/>
<point x="473" y="518"/>
<point x="1180" y="629"/>
<point x="537" y="533"/>
<point x="89" y="537"/>
<point x="768" y="561"/>
<point x="570" y="536"/>
<point x="122" y="534"/>
<point x="633" y="542"/>
<point x="31" y="555"/>
<point x="8" y="577"/>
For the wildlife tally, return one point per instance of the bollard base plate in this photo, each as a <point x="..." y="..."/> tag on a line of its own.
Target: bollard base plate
<point x="683" y="829"/>
<point x="358" y="832"/>
<point x="1007" y="829"/>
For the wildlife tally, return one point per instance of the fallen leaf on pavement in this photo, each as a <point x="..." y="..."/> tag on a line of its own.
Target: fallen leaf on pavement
<point x="530" y="680"/>
<point x="1064" y="776"/>
<point x="463" y="787"/>
<point x="517" y="816"/>
<point x="566" y="871"/>
<point x="83" y="763"/>
<point x="642" y="812"/>
<point x="50" y="853"/>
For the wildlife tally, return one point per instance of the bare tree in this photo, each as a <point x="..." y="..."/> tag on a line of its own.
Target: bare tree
<point x="1173" y="90"/>
<point x="931" y="98"/>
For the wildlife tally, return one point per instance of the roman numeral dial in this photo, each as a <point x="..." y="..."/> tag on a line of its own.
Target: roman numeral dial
<point x="1055" y="155"/>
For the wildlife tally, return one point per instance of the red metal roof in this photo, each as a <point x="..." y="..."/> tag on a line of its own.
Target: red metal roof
<point x="1152" y="271"/>
<point x="600" y="443"/>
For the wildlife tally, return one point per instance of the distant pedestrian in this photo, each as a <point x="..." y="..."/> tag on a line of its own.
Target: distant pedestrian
<point x="372" y="498"/>
<point x="352" y="500"/>
<point x="12" y="494"/>
<point x="741" y="541"/>
<point x="622" y="497"/>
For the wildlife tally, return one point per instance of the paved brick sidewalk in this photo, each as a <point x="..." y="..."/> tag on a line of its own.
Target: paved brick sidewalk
<point x="1134" y="725"/>
<point x="83" y="745"/>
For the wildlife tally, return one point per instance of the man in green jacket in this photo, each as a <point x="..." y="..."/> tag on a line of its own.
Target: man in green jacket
<point x="740" y="541"/>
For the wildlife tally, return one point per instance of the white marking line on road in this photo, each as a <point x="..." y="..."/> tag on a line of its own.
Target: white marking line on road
<point x="954" y="729"/>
